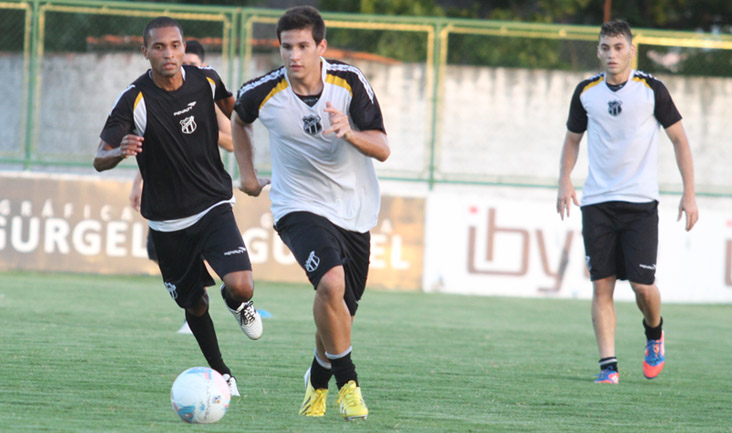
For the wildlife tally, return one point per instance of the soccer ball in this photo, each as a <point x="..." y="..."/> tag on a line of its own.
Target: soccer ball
<point x="200" y="395"/>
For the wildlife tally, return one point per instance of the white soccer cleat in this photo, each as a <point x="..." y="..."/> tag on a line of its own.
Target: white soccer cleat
<point x="248" y="317"/>
<point x="231" y="381"/>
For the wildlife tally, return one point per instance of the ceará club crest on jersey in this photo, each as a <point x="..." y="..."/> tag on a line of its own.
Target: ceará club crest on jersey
<point x="311" y="124"/>
<point x="614" y="107"/>
<point x="188" y="125"/>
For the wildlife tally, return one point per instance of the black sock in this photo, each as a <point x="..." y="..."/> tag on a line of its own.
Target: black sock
<point x="203" y="329"/>
<point x="653" y="333"/>
<point x="230" y="302"/>
<point x="343" y="369"/>
<point x="319" y="375"/>
<point x="610" y="363"/>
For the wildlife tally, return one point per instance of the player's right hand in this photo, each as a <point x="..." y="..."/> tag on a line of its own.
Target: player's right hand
<point x="131" y="145"/>
<point x="565" y="196"/>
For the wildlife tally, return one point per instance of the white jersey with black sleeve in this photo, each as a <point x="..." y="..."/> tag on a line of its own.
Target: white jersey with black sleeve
<point x="622" y="124"/>
<point x="311" y="171"/>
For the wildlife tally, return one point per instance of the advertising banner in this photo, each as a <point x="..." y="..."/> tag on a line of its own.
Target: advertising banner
<point x="517" y="245"/>
<point x="85" y="224"/>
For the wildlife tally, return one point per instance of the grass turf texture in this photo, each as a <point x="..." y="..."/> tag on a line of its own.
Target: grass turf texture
<point x="83" y="353"/>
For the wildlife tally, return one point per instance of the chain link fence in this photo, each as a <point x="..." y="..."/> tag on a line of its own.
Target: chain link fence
<point x="465" y="101"/>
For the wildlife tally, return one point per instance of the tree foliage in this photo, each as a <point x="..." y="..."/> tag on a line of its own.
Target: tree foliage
<point x="704" y="15"/>
<point x="698" y="15"/>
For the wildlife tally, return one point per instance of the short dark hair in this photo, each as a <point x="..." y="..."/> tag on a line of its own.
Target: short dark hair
<point x="195" y="47"/>
<point x="158" y="23"/>
<point x="616" y="28"/>
<point x="302" y="17"/>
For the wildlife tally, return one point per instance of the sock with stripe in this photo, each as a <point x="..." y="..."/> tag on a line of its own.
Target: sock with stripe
<point x="343" y="368"/>
<point x="320" y="373"/>
<point x="610" y="363"/>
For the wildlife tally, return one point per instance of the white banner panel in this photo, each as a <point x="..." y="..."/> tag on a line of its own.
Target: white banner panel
<point x="513" y="243"/>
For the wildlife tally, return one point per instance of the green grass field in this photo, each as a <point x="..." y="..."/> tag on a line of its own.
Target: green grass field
<point x="84" y="353"/>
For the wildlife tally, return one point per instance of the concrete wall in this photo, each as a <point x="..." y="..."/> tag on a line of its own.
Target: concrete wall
<point x="513" y="122"/>
<point x="494" y="123"/>
<point x="12" y="109"/>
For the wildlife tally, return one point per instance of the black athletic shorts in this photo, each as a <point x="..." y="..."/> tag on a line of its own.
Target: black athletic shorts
<point x="215" y="238"/>
<point x="319" y="245"/>
<point x="621" y="239"/>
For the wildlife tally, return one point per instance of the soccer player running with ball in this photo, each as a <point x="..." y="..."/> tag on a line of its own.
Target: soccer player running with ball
<point x="325" y="129"/>
<point x="166" y="120"/>
<point x="621" y="109"/>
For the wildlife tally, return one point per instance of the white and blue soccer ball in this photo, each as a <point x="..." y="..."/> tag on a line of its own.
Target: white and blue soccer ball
<point x="200" y="395"/>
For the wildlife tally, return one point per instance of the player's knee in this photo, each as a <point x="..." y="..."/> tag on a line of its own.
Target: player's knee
<point x="643" y="290"/>
<point x="240" y="286"/>
<point x="332" y="284"/>
<point x="200" y="307"/>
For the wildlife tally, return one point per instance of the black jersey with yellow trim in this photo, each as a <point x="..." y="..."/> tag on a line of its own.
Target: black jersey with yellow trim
<point x="364" y="109"/>
<point x="180" y="162"/>
<point x="664" y="111"/>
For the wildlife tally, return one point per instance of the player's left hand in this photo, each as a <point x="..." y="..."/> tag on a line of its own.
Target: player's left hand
<point x="249" y="187"/>
<point x="339" y="123"/>
<point x="688" y="205"/>
<point x="566" y="195"/>
<point x="136" y="197"/>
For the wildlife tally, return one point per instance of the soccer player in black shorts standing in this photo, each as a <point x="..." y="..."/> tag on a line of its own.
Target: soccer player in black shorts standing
<point x="166" y="119"/>
<point x="621" y="109"/>
<point x="325" y="194"/>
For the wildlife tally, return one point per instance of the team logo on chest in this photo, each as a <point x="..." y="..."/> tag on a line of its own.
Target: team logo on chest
<point x="311" y="124"/>
<point x="614" y="107"/>
<point x="188" y="125"/>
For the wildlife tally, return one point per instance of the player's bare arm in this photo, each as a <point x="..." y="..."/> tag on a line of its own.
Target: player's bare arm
<point x="108" y="157"/>
<point x="224" y="122"/>
<point x="224" y="108"/>
<point x="566" y="194"/>
<point x="242" y="134"/>
<point x="372" y="143"/>
<point x="136" y="192"/>
<point x="685" y="163"/>
<point x="226" y="105"/>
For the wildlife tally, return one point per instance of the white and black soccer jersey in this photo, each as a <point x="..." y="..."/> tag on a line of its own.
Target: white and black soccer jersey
<point x="622" y="136"/>
<point x="313" y="172"/>
<point x="180" y="162"/>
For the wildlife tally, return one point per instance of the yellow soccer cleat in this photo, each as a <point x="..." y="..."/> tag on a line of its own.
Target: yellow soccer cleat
<point x="314" y="402"/>
<point x="351" y="402"/>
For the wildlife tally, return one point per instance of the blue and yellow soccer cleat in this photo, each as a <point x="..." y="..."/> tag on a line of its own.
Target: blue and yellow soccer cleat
<point x="314" y="402"/>
<point x="351" y="402"/>
<point x="608" y="376"/>
<point x="655" y="358"/>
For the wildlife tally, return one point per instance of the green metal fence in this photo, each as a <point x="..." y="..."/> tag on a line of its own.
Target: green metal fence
<point x="466" y="101"/>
